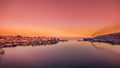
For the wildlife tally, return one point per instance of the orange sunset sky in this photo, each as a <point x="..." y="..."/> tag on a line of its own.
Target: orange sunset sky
<point x="70" y="18"/>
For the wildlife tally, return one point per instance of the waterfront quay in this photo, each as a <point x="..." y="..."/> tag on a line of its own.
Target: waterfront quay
<point x="7" y="41"/>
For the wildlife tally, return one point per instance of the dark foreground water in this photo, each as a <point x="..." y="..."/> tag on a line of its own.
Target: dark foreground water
<point x="71" y="54"/>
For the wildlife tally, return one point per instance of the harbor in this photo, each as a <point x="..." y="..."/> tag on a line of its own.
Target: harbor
<point x="13" y="41"/>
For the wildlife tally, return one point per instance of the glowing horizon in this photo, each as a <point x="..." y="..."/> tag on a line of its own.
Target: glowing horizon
<point x="61" y="18"/>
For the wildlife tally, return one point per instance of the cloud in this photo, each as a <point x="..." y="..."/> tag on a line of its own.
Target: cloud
<point x="113" y="28"/>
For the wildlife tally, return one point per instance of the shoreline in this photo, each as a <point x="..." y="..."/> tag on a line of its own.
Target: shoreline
<point x="12" y="41"/>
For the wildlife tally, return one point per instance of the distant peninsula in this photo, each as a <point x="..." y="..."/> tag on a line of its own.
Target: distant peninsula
<point x="112" y="38"/>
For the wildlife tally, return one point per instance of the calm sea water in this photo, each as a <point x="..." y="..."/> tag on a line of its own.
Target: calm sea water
<point x="71" y="54"/>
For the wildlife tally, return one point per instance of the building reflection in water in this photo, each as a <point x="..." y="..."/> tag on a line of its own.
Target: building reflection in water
<point x="1" y="53"/>
<point x="33" y="45"/>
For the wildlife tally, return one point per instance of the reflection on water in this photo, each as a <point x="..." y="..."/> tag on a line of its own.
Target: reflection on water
<point x="107" y="50"/>
<point x="71" y="54"/>
<point x="1" y="54"/>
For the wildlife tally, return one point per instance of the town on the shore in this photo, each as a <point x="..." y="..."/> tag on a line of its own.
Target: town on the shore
<point x="11" y="41"/>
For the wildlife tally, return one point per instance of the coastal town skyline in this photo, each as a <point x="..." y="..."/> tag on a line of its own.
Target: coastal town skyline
<point x="61" y="18"/>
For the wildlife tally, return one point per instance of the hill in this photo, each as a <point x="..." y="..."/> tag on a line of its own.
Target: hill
<point x="113" y="38"/>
